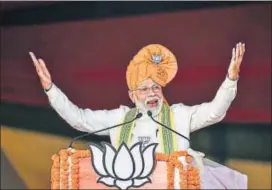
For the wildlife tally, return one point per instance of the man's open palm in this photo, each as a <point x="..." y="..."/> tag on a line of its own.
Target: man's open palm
<point x="236" y="60"/>
<point x="42" y="71"/>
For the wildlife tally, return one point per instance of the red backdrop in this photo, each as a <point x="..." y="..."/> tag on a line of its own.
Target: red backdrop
<point x="88" y="59"/>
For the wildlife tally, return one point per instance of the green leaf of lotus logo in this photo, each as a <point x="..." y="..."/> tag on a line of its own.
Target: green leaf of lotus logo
<point x="123" y="168"/>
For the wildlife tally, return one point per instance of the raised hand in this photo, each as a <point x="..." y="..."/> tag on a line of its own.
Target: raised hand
<point x="42" y="72"/>
<point x="236" y="60"/>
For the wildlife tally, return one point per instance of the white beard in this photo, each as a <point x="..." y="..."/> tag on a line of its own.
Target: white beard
<point x="143" y="107"/>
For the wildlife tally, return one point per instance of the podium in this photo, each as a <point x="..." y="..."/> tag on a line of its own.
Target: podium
<point x="73" y="169"/>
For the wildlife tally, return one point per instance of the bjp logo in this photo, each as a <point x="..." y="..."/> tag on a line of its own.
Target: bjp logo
<point x="123" y="168"/>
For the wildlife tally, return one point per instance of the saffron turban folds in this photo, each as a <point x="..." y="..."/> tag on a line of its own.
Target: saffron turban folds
<point x="152" y="61"/>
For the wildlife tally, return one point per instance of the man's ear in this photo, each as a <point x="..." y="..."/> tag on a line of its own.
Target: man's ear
<point x="131" y="96"/>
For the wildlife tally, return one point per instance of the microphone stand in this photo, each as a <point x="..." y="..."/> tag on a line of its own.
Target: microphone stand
<point x="81" y="136"/>
<point x="149" y="113"/>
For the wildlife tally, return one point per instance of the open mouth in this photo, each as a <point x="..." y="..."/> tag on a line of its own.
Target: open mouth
<point x="152" y="103"/>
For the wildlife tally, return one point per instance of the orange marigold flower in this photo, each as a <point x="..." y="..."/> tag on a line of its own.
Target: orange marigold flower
<point x="189" y="159"/>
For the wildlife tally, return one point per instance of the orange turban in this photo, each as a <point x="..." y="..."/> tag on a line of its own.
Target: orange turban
<point x="153" y="61"/>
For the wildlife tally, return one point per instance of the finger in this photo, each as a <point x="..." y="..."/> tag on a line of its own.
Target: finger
<point x="40" y="72"/>
<point x="34" y="59"/>
<point x="233" y="54"/>
<point x="244" y="50"/>
<point x="237" y="50"/>
<point x="233" y="59"/>
<point x="241" y="49"/>
<point x="241" y="55"/>
<point x="42" y="75"/>
<point x="44" y="68"/>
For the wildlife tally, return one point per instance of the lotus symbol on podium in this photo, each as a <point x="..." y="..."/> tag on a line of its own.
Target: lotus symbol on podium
<point x="123" y="168"/>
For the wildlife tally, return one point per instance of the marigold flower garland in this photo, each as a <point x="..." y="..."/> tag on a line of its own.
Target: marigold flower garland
<point x="55" y="173"/>
<point x="75" y="168"/>
<point x="189" y="176"/>
<point x="60" y="177"/>
<point x="64" y="167"/>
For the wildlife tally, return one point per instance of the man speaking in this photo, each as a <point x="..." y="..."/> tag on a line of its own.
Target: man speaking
<point x="151" y="69"/>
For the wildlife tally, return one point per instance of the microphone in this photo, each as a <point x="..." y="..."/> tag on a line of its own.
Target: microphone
<point x="81" y="136"/>
<point x="149" y="113"/>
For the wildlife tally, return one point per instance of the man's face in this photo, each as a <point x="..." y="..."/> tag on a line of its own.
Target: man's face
<point x="147" y="96"/>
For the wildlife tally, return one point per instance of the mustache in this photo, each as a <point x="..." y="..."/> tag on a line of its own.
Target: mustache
<point x="151" y="98"/>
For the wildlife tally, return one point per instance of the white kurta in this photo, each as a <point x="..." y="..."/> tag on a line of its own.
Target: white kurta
<point x="187" y="118"/>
